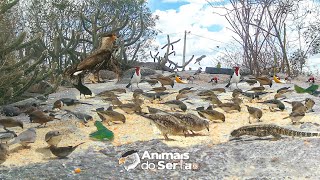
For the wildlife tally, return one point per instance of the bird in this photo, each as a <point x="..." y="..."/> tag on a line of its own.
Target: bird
<point x="150" y="96"/>
<point x="184" y="94"/>
<point x="198" y="72"/>
<point x="4" y="152"/>
<point x="130" y="108"/>
<point x="295" y="116"/>
<point x="185" y="89"/>
<point x="167" y="124"/>
<point x="138" y="101"/>
<point x="311" y="80"/>
<point x="250" y="96"/>
<point x="274" y="103"/>
<point x="135" y="78"/>
<point x="84" y="90"/>
<point x="118" y="90"/>
<point x="218" y="90"/>
<point x="192" y="122"/>
<point x="110" y="116"/>
<point x="115" y="101"/>
<point x="235" y="78"/>
<point x="211" y="114"/>
<point x="255" y="113"/>
<point x="107" y="93"/>
<point x="250" y="81"/>
<point x="152" y="82"/>
<point x="26" y="137"/>
<point x="214" y="80"/>
<point x="85" y="118"/>
<point x="165" y="80"/>
<point x="206" y="93"/>
<point x="11" y="111"/>
<point x="58" y="104"/>
<point x="309" y="103"/>
<point x="41" y="118"/>
<point x="283" y="89"/>
<point x="137" y="93"/>
<point x="152" y="110"/>
<point x="236" y="93"/>
<point x="7" y="136"/>
<point x="63" y="152"/>
<point x="227" y="107"/>
<point x="159" y="89"/>
<point x="236" y="100"/>
<point x="10" y="122"/>
<point x="104" y="53"/>
<point x="176" y="104"/>
<point x="53" y="137"/>
<point x="190" y="79"/>
<point x="257" y="89"/>
<point x="263" y="80"/>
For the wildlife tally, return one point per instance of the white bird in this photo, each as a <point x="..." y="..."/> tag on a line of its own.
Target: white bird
<point x="235" y="78"/>
<point x="135" y="78"/>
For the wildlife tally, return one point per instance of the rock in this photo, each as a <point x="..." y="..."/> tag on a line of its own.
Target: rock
<point x="41" y="87"/>
<point x="107" y="75"/>
<point x="11" y="111"/>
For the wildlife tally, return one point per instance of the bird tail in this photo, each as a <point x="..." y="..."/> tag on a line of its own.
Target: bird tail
<point x="228" y="85"/>
<point x="77" y="73"/>
<point x="79" y="144"/>
<point x="14" y="141"/>
<point x="128" y="85"/>
<point x="87" y="103"/>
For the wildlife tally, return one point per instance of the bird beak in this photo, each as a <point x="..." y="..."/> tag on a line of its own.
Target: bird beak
<point x="122" y="160"/>
<point x="208" y="128"/>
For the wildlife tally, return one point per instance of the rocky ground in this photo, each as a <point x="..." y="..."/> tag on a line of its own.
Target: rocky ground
<point x="260" y="159"/>
<point x="212" y="155"/>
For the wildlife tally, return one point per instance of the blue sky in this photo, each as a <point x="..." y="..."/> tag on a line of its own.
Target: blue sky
<point x="207" y="30"/>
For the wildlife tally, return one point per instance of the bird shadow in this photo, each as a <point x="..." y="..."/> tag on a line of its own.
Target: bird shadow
<point x="45" y="151"/>
<point x="17" y="149"/>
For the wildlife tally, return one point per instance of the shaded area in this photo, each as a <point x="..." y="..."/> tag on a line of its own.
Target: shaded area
<point x="296" y="158"/>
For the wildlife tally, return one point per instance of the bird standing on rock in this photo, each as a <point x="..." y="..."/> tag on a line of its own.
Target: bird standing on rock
<point x="167" y="124"/>
<point x="263" y="80"/>
<point x="7" y="136"/>
<point x="10" y="122"/>
<point x="211" y="114"/>
<point x="135" y="78"/>
<point x="4" y="152"/>
<point x="255" y="113"/>
<point x="41" y="118"/>
<point x="110" y="115"/>
<point x="192" y="122"/>
<point x="309" y="103"/>
<point x="176" y="104"/>
<point x="235" y="78"/>
<point x="63" y="152"/>
<point x="273" y="103"/>
<point x="53" y="137"/>
<point x="67" y="102"/>
<point x="26" y="137"/>
<point x="164" y="80"/>
<point x="82" y="88"/>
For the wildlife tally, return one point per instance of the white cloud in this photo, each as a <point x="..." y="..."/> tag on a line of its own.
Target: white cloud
<point x="194" y="17"/>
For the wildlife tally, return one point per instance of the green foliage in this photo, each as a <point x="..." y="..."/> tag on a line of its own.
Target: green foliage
<point x="102" y="132"/>
<point x="20" y="66"/>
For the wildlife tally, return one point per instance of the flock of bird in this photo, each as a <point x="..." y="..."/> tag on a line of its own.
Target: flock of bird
<point x="179" y="120"/>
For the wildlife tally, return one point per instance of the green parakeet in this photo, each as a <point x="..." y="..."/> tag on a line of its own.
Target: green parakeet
<point x="309" y="90"/>
<point x="102" y="132"/>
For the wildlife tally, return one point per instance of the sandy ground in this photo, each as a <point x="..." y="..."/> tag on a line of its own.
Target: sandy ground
<point x="138" y="128"/>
